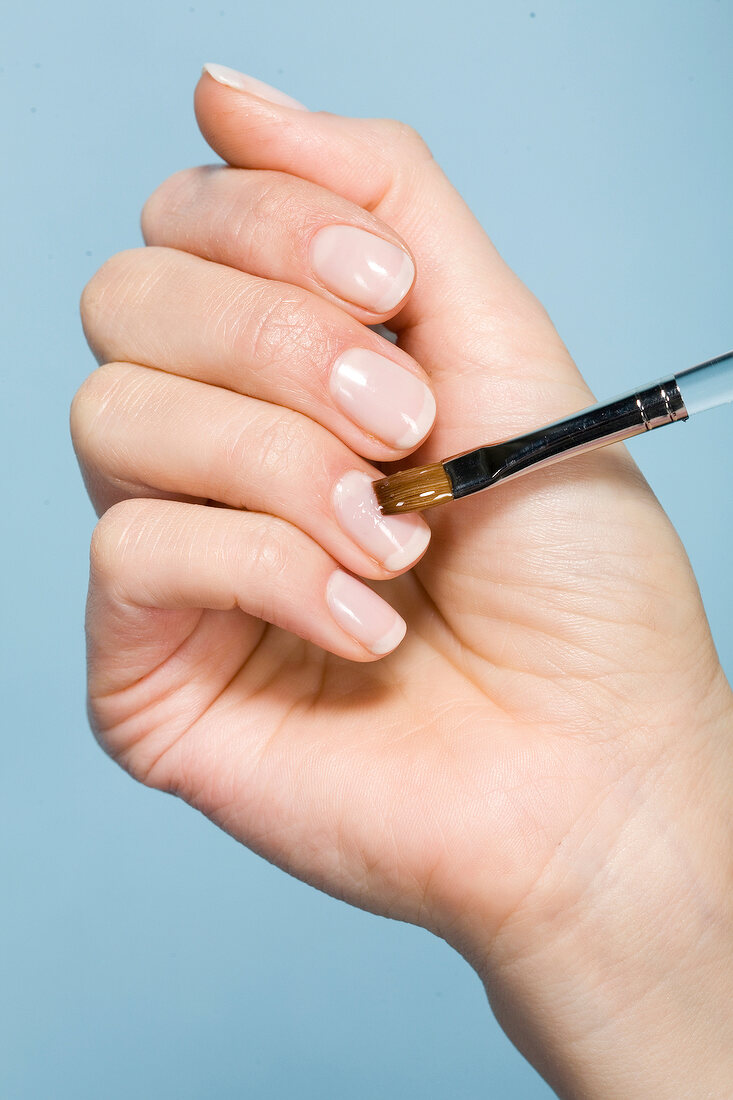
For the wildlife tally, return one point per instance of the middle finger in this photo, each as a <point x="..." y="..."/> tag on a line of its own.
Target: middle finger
<point x="188" y="316"/>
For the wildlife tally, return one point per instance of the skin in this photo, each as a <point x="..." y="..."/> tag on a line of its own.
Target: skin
<point x="538" y="772"/>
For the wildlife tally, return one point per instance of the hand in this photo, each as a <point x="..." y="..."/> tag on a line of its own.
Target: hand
<point x="537" y="773"/>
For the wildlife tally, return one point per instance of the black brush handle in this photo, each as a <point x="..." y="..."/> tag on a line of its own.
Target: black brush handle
<point x="632" y="414"/>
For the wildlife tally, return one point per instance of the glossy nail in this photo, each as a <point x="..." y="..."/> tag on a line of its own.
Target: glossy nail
<point x="361" y="268"/>
<point x="230" y="78"/>
<point x="382" y="397"/>
<point x="363" y="614"/>
<point x="395" y="541"/>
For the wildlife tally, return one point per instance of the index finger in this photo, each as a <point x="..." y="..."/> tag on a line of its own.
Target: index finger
<point x="276" y="226"/>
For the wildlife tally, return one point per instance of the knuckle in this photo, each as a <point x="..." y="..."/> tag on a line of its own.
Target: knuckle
<point x="270" y="202"/>
<point x="266" y="551"/>
<point x="121" y="287"/>
<point x="267" y="328"/>
<point x="92" y="302"/>
<point x="283" y="326"/>
<point x="171" y="200"/>
<point x="405" y="140"/>
<point x="108" y="275"/>
<point x="283" y="448"/>
<point x="100" y="298"/>
<point x="275" y="444"/>
<point x="115" y="533"/>
<point x="98" y="392"/>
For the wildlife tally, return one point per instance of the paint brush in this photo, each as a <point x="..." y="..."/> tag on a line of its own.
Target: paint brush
<point x="669" y="401"/>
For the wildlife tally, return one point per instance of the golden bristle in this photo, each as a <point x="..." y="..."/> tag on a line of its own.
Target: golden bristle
<point x="413" y="490"/>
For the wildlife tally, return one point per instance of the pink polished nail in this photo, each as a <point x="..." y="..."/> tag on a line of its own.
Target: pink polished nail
<point x="382" y="397"/>
<point x="363" y="614"/>
<point x="361" y="268"/>
<point x="395" y="541"/>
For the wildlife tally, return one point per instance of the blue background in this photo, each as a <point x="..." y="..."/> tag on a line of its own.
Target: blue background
<point x="143" y="953"/>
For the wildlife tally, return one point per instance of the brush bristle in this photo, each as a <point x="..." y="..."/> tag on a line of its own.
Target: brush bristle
<point x="413" y="490"/>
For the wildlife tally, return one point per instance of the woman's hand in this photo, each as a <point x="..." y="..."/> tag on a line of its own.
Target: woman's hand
<point x="538" y="772"/>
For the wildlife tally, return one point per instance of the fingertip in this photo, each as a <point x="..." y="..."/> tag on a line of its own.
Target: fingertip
<point x="364" y="615"/>
<point x="418" y="428"/>
<point x="402" y="281"/>
<point x="384" y="398"/>
<point x="249" y="85"/>
<point x="389" y="641"/>
<point x="413" y="547"/>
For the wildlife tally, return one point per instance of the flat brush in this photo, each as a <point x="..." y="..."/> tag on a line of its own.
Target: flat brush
<point x="669" y="401"/>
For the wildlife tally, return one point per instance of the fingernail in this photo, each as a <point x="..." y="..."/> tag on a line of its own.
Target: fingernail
<point x="382" y="397"/>
<point x="363" y="614"/>
<point x="361" y="267"/>
<point x="230" y="78"/>
<point x="395" y="541"/>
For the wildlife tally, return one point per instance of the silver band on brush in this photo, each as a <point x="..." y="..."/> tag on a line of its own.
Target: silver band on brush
<point x="610" y="422"/>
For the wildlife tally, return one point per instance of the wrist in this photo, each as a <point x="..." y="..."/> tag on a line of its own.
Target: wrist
<point x="614" y="977"/>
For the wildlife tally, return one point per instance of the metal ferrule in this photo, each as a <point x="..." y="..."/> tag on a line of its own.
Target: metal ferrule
<point x="632" y="414"/>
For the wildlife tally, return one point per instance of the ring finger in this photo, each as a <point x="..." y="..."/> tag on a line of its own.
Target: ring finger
<point x="143" y="432"/>
<point x="175" y="311"/>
